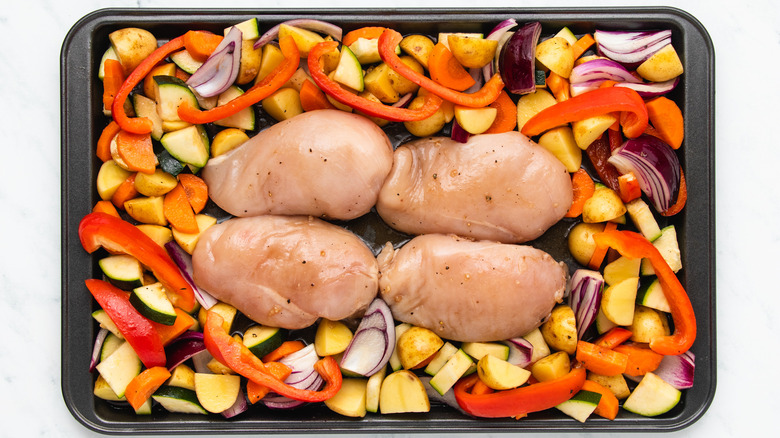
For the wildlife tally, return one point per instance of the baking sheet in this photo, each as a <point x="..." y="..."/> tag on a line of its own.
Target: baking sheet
<point x="82" y="121"/>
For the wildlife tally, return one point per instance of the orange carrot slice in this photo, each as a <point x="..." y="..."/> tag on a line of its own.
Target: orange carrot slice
<point x="201" y="44"/>
<point x="312" y="98"/>
<point x="506" y="114"/>
<point x="287" y="348"/>
<point x="136" y="151"/>
<point x="601" y="360"/>
<point x="178" y="211"/>
<point x="106" y="207"/>
<point x="125" y="192"/>
<point x="582" y="45"/>
<point x="446" y="70"/>
<point x="667" y="119"/>
<point x="641" y="359"/>
<point x="608" y="405"/>
<point x="614" y="337"/>
<point x="196" y="190"/>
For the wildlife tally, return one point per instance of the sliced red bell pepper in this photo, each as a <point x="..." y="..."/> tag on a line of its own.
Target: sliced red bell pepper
<point x="235" y="355"/>
<point x="599" y="152"/>
<point x="489" y="92"/>
<point x="140" y="125"/>
<point x="118" y="236"/>
<point x="365" y="106"/>
<point x="136" y="329"/>
<point x="634" y="245"/>
<point x="268" y="86"/>
<point x="518" y="401"/>
<point x="590" y="104"/>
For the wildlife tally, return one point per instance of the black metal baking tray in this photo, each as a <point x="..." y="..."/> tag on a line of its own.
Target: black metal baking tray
<point x="82" y="122"/>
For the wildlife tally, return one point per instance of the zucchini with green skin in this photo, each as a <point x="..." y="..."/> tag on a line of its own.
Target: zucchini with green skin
<point x="652" y="397"/>
<point x="651" y="294"/>
<point x="152" y="302"/>
<point x="171" y="93"/>
<point x="262" y="340"/>
<point x="581" y="405"/>
<point x="455" y="368"/>
<point x="123" y="268"/>
<point x="178" y="399"/>
<point x="120" y="368"/>
<point x="189" y="145"/>
<point x="643" y="219"/>
<point x="669" y="248"/>
<point x="244" y="119"/>
<point x="105" y="321"/>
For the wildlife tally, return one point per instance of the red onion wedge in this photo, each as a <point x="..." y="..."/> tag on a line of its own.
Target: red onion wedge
<point x="447" y="399"/>
<point x="678" y="371"/>
<point x="583" y="87"/>
<point x="585" y="297"/>
<point x="497" y="34"/>
<point x="517" y="60"/>
<point x="240" y="406"/>
<point x="373" y="343"/>
<point x="200" y="361"/>
<point x="220" y="70"/>
<point x="476" y="74"/>
<point x="601" y="69"/>
<point x="303" y="376"/>
<point x="652" y="89"/>
<point x="458" y="133"/>
<point x="520" y="352"/>
<point x="303" y="23"/>
<point x="182" y="349"/>
<point x="184" y="262"/>
<point x="99" y="339"/>
<point x="631" y="48"/>
<point x="655" y="165"/>
<point x="403" y="102"/>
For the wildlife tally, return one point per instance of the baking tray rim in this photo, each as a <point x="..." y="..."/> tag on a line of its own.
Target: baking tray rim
<point x="69" y="217"/>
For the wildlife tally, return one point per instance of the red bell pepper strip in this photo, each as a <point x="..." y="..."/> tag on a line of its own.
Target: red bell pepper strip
<point x="136" y="329"/>
<point x="268" y="86"/>
<point x="634" y="245"/>
<point x="599" y="152"/>
<point x="590" y="104"/>
<point x="235" y="355"/>
<point x="365" y="106"/>
<point x="518" y="401"/>
<point x="140" y="125"/>
<point x="119" y="236"/>
<point x="489" y="92"/>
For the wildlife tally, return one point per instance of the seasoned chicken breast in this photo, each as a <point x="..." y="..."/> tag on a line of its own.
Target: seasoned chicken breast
<point x="500" y="187"/>
<point x="326" y="163"/>
<point x="466" y="290"/>
<point x="286" y="271"/>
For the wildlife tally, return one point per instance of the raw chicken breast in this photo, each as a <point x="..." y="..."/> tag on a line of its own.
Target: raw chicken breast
<point x="327" y="163"/>
<point x="475" y="291"/>
<point x="500" y="187"/>
<point x="286" y="271"/>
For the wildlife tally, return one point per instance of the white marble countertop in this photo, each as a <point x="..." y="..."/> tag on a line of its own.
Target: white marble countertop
<point x="747" y="44"/>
